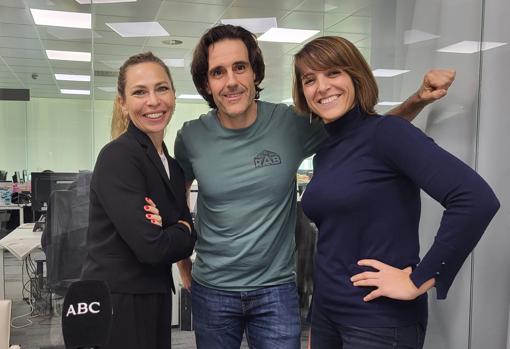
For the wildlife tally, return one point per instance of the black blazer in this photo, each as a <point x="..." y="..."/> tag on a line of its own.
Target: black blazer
<point x="123" y="247"/>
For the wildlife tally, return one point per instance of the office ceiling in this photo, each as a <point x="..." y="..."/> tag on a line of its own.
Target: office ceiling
<point x="24" y="64"/>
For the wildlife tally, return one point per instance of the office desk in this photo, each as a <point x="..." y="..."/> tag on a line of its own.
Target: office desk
<point x="15" y="207"/>
<point x="20" y="242"/>
<point x="23" y="241"/>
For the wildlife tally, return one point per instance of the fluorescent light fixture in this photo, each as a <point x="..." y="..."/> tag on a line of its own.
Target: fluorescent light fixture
<point x="255" y="25"/>
<point x="413" y="36"/>
<point x="471" y="46"/>
<point x="387" y="103"/>
<point x="108" y="88"/>
<point x="288" y="100"/>
<point x="388" y="73"/>
<point x="185" y="96"/>
<point x="174" y="62"/>
<point x="75" y="92"/>
<point x="70" y="77"/>
<point x="62" y="18"/>
<point x="295" y="36"/>
<point x="86" y="2"/>
<point x="68" y="55"/>
<point x="138" y="29"/>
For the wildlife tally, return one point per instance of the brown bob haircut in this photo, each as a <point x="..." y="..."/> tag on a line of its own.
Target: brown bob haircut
<point x="200" y="63"/>
<point x="329" y="52"/>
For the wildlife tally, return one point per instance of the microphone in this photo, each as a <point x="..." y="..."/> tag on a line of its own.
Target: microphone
<point x="87" y="315"/>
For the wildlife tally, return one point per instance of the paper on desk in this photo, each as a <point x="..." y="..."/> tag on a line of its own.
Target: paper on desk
<point x="21" y="242"/>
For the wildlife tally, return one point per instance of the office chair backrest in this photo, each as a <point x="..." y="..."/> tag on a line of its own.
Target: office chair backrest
<point x="65" y="241"/>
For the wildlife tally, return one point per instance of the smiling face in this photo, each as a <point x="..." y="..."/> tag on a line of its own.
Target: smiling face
<point x="149" y="99"/>
<point x="230" y="81"/>
<point x="329" y="93"/>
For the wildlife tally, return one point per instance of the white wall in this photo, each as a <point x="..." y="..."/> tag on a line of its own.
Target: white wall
<point x="64" y="134"/>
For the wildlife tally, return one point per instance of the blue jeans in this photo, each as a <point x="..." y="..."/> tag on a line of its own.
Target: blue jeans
<point x="327" y="335"/>
<point x="269" y="316"/>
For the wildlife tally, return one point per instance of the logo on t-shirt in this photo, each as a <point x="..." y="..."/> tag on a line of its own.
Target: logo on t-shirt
<point x="267" y="158"/>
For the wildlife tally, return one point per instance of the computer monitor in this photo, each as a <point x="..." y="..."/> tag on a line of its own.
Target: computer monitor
<point x="44" y="183"/>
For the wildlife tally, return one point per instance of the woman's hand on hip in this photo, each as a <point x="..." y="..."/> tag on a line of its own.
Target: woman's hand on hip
<point x="152" y="213"/>
<point x="389" y="281"/>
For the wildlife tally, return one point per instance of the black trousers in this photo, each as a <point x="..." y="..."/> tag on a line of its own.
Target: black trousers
<point x="141" y="321"/>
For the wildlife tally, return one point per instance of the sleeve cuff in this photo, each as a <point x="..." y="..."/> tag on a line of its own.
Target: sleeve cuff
<point x="442" y="263"/>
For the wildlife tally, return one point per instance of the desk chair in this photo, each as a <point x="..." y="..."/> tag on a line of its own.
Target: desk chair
<point x="64" y="238"/>
<point x="5" y="324"/>
<point x="4" y="218"/>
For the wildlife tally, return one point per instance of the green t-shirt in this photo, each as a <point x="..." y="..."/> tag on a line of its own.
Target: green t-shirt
<point x="246" y="205"/>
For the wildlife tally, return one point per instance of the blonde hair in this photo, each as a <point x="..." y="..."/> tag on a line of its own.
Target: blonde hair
<point x="329" y="52"/>
<point x="120" y="121"/>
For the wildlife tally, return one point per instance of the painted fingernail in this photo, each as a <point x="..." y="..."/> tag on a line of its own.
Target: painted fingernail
<point x="154" y="221"/>
<point x="148" y="215"/>
<point x="146" y="207"/>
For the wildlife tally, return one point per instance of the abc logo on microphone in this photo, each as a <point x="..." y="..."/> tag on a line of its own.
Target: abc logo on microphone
<point x="87" y="315"/>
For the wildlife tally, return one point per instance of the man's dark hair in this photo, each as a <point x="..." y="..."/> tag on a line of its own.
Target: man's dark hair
<point x="200" y="63"/>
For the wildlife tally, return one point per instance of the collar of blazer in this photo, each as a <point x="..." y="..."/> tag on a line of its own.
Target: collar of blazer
<point x="153" y="155"/>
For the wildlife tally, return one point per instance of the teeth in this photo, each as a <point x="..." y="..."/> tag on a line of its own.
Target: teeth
<point x="328" y="100"/>
<point x="233" y="95"/>
<point x="153" y="116"/>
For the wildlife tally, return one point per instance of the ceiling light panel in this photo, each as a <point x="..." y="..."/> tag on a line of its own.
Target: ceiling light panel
<point x="62" y="18"/>
<point x="138" y="29"/>
<point x="95" y="2"/>
<point x="471" y="46"/>
<point x="174" y="62"/>
<point x="388" y="73"/>
<point x="288" y="35"/>
<point x="254" y="25"/>
<point x="68" y="55"/>
<point x="74" y="92"/>
<point x="189" y="96"/>
<point x="388" y="103"/>
<point x="72" y="77"/>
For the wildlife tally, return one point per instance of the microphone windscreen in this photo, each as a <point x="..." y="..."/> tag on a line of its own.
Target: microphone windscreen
<point x="87" y="314"/>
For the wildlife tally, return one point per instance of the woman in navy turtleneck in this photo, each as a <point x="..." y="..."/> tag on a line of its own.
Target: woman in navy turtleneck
<point x="370" y="285"/>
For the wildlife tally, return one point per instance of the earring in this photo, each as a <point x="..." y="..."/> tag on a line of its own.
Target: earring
<point x="311" y="118"/>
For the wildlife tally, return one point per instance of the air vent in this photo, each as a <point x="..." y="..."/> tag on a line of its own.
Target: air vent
<point x="106" y="73"/>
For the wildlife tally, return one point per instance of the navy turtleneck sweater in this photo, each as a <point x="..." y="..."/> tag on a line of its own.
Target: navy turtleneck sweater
<point x="365" y="199"/>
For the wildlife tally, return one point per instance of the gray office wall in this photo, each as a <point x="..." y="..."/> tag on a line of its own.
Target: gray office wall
<point x="491" y="269"/>
<point x="473" y="124"/>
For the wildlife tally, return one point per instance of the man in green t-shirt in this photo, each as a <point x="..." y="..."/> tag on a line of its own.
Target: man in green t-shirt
<point x="244" y="155"/>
